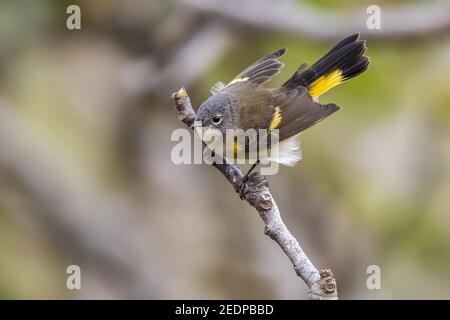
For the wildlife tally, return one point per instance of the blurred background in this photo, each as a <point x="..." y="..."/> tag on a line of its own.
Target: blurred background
<point x="85" y="171"/>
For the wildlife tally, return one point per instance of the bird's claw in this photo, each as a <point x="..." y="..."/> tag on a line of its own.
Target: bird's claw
<point x="241" y="189"/>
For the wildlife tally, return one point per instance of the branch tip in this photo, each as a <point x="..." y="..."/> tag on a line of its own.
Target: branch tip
<point x="182" y="93"/>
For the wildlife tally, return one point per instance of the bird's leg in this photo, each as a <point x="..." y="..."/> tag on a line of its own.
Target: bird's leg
<point x="241" y="186"/>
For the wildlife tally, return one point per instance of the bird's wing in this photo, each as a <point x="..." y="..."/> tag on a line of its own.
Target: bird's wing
<point x="294" y="111"/>
<point x="257" y="73"/>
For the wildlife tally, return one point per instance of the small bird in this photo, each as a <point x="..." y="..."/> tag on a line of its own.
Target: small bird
<point x="244" y="103"/>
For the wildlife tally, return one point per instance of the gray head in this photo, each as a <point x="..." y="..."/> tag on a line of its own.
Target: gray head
<point x="217" y="113"/>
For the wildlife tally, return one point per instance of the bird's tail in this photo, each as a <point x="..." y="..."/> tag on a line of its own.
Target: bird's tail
<point x="345" y="61"/>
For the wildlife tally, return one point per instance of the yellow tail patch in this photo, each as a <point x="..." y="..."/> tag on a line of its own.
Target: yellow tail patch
<point x="325" y="83"/>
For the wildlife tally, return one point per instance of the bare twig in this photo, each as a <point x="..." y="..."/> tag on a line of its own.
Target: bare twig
<point x="322" y="284"/>
<point x="398" y="21"/>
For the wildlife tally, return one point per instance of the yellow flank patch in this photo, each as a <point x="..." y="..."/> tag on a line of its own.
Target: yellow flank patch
<point x="325" y="83"/>
<point x="276" y="118"/>
<point x="235" y="148"/>
<point x="237" y="80"/>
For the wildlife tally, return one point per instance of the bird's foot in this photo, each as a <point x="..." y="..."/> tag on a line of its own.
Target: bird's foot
<point x="252" y="184"/>
<point x="242" y="188"/>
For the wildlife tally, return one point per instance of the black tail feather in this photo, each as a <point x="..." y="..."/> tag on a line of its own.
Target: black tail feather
<point x="346" y="56"/>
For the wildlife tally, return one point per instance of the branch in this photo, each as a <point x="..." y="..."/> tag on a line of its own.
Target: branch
<point x="322" y="284"/>
<point x="398" y="21"/>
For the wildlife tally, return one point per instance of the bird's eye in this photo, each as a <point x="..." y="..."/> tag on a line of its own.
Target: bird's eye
<point x="217" y="119"/>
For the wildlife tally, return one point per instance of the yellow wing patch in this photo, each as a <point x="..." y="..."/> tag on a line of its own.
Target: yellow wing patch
<point x="276" y="119"/>
<point x="325" y="83"/>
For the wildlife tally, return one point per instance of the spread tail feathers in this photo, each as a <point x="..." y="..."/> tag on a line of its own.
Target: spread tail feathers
<point x="345" y="61"/>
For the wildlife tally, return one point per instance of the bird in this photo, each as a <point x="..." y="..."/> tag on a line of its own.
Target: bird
<point x="245" y="103"/>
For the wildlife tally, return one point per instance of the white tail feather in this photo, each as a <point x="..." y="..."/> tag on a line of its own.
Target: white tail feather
<point x="287" y="152"/>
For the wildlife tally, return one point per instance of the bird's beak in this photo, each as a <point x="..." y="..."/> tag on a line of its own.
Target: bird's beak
<point x="197" y="126"/>
<point x="205" y="133"/>
<point x="198" y="130"/>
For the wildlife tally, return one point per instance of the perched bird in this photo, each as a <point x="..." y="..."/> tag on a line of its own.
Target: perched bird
<point x="245" y="103"/>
